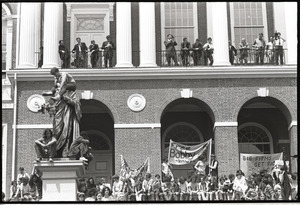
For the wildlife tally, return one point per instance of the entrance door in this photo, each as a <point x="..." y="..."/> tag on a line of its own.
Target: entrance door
<point x="101" y="165"/>
<point x="90" y="25"/>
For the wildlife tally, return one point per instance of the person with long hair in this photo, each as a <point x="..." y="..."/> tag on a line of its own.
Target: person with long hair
<point x="106" y="194"/>
<point x="45" y="146"/>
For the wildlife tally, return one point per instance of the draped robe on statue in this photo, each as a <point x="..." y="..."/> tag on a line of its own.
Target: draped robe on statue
<point x="66" y="122"/>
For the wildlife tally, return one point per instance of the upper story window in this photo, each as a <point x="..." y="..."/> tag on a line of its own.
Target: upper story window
<point x="248" y="19"/>
<point x="180" y="20"/>
<point x="4" y="34"/>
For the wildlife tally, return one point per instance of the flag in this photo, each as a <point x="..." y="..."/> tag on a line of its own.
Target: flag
<point x="125" y="170"/>
<point x="142" y="170"/>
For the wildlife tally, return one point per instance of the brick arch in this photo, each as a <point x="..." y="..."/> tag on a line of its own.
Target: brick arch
<point x="285" y="104"/>
<point x="111" y="109"/>
<point x="165" y="103"/>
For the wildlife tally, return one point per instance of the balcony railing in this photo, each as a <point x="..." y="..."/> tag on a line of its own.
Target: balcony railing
<point x="247" y="57"/>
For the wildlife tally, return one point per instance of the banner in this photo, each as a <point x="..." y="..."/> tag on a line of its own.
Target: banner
<point x="180" y="154"/>
<point x="253" y="163"/>
<point x="135" y="174"/>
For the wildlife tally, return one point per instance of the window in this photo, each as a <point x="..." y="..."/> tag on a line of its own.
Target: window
<point x="254" y="138"/>
<point x="248" y="19"/>
<point x="180" y="20"/>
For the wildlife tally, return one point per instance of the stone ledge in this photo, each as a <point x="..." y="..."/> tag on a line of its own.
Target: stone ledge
<point x="218" y="72"/>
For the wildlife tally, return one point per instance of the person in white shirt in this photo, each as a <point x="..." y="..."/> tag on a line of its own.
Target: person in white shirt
<point x="117" y="186"/>
<point x="22" y="175"/>
<point x="270" y="50"/>
<point x="278" y="43"/>
<point x="208" y="50"/>
<point x="147" y="185"/>
<point x="239" y="185"/>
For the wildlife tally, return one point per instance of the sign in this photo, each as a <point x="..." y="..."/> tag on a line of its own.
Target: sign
<point x="180" y="154"/>
<point x="253" y="163"/>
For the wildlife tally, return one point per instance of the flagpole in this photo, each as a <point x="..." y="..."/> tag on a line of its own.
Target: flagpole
<point x="169" y="151"/>
<point x="209" y="157"/>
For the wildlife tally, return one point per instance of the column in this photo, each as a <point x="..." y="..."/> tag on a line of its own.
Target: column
<point x="293" y="147"/>
<point x="226" y="148"/>
<point x="29" y="34"/>
<point x="291" y="32"/>
<point x="220" y="33"/>
<point x="123" y="44"/>
<point x="147" y="34"/>
<point x="37" y="28"/>
<point x="53" y="32"/>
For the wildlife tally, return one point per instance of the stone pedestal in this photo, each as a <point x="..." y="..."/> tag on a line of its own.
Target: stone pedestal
<point x="59" y="179"/>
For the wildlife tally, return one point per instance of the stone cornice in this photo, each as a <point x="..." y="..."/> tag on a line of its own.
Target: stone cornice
<point x="224" y="72"/>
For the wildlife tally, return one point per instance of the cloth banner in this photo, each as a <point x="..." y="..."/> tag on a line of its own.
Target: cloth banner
<point x="180" y="154"/>
<point x="135" y="174"/>
<point x="253" y="163"/>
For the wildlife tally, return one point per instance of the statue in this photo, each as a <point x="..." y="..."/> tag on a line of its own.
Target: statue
<point x="65" y="109"/>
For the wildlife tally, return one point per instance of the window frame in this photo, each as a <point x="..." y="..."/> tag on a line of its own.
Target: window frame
<point x="254" y="124"/>
<point x="264" y="19"/>
<point x="163" y="27"/>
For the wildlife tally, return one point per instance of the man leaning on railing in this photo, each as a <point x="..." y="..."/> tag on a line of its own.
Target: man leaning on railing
<point x="259" y="44"/>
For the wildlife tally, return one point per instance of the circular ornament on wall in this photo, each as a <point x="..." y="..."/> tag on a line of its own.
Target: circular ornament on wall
<point x="34" y="102"/>
<point x="136" y="102"/>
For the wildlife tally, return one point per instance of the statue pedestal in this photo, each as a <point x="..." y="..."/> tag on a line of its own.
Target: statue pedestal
<point x="59" y="179"/>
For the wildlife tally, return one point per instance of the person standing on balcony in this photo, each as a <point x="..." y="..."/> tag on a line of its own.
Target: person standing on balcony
<point x="64" y="54"/>
<point x="278" y="42"/>
<point x="170" y="44"/>
<point x="208" y="49"/>
<point x="259" y="45"/>
<point x="81" y="50"/>
<point x="197" y="52"/>
<point x="270" y="50"/>
<point x="244" y="47"/>
<point x="108" y="47"/>
<point x="232" y="52"/>
<point x="185" y="52"/>
<point x="94" y="49"/>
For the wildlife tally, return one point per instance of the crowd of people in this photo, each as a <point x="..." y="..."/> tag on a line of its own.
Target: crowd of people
<point x="198" y="187"/>
<point x="257" y="187"/>
<point x="26" y="187"/>
<point x="271" y="52"/>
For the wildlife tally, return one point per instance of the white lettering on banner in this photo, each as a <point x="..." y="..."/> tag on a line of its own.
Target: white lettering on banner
<point x="180" y="154"/>
<point x="253" y="163"/>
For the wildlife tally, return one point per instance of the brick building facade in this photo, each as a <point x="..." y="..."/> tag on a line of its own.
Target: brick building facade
<point x="224" y="101"/>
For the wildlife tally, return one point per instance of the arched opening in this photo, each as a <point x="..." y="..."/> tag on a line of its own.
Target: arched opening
<point x="98" y="122"/>
<point x="263" y="127"/>
<point x="187" y="121"/>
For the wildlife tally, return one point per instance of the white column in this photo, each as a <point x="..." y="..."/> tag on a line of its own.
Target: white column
<point x="220" y="33"/>
<point x="29" y="19"/>
<point x="53" y="32"/>
<point x="123" y="44"/>
<point x="147" y="34"/>
<point x="37" y="28"/>
<point x="291" y="32"/>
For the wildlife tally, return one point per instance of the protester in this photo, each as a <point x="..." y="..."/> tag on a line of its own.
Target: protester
<point x="117" y="187"/>
<point x="81" y="196"/>
<point x="106" y="194"/>
<point x="239" y="185"/>
<point x="22" y="175"/>
<point x="45" y="146"/>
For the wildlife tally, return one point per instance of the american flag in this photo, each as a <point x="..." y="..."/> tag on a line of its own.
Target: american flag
<point x="125" y="170"/>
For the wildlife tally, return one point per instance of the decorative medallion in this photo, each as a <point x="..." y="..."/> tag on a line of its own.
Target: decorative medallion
<point x="136" y="102"/>
<point x="35" y="102"/>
